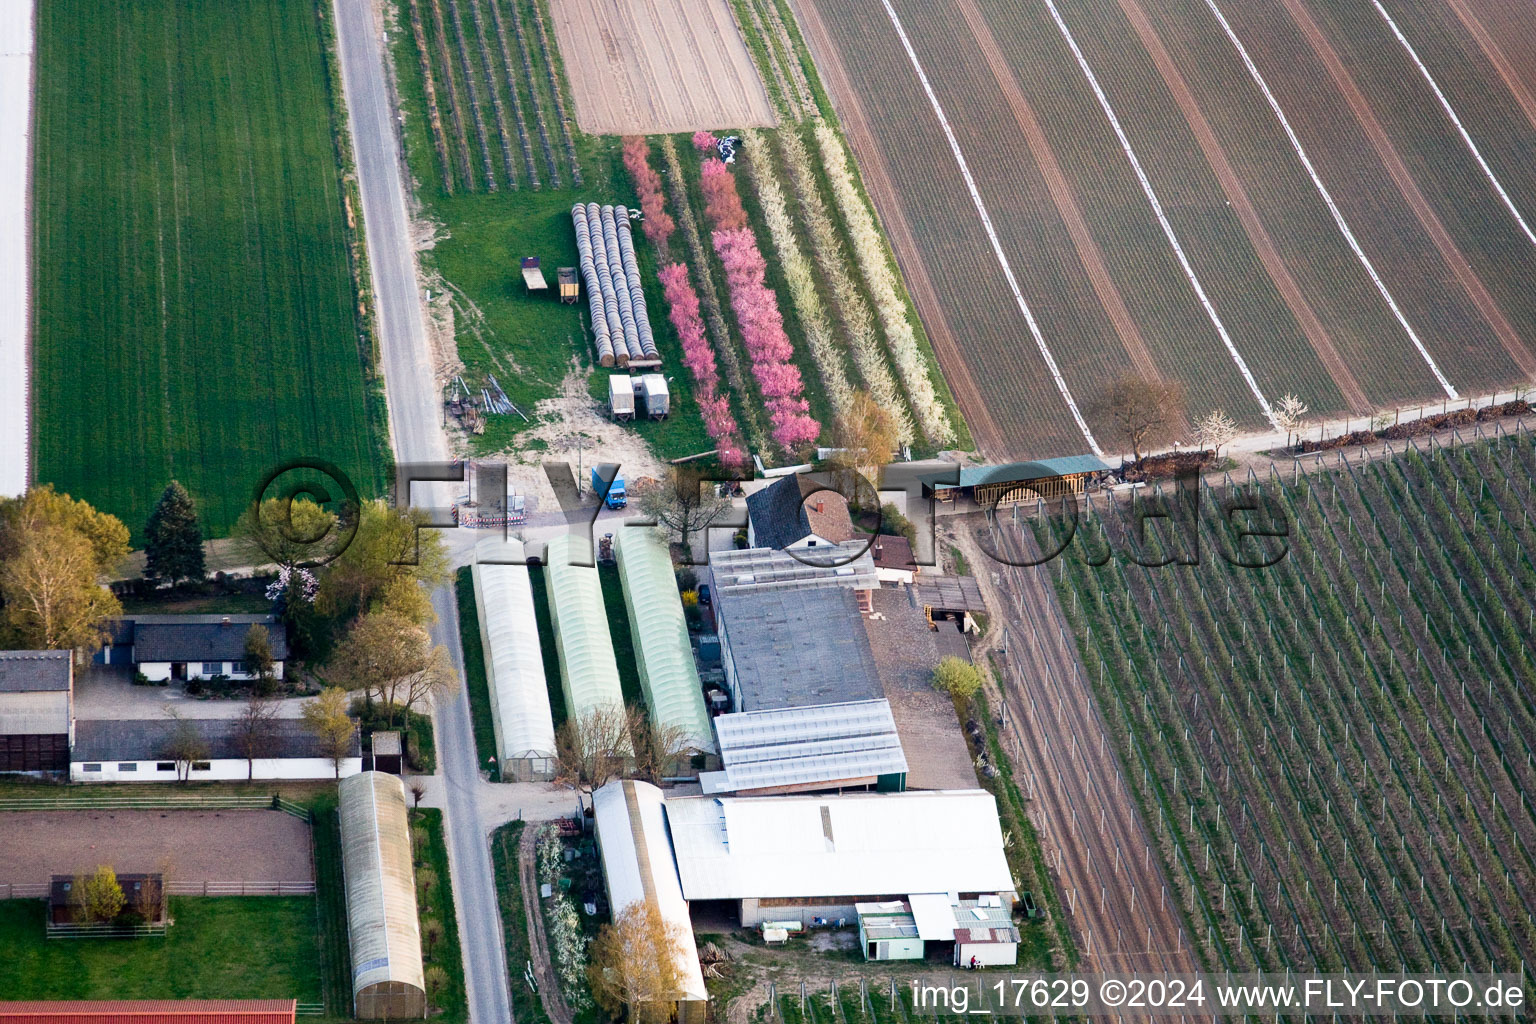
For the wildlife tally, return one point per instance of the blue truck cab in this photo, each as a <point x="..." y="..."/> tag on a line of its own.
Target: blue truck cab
<point x="615" y="497"/>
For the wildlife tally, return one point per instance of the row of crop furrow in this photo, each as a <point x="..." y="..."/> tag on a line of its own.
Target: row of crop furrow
<point x="444" y="64"/>
<point x="1340" y="790"/>
<point x="1482" y="463"/>
<point x="547" y="56"/>
<point x="750" y="24"/>
<point x="1208" y="833"/>
<point x="785" y="45"/>
<point x="461" y="47"/>
<point x="509" y="82"/>
<point x="429" y="90"/>
<point x="1344" y="729"/>
<point x="1447" y="608"/>
<point x="1180" y="613"/>
<point x="488" y="66"/>
<point x="533" y="94"/>
<point x="1151" y="752"/>
<point x="1360" y="566"/>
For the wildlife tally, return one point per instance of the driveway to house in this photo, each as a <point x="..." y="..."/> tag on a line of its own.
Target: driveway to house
<point x="417" y="436"/>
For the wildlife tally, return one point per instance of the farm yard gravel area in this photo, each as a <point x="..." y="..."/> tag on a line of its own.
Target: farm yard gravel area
<point x="658" y="66"/>
<point x="188" y="846"/>
<point x="1311" y="197"/>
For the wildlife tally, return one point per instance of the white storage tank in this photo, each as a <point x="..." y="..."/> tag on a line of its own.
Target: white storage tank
<point x="654" y="395"/>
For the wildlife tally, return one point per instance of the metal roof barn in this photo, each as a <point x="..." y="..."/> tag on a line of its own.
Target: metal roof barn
<point x="673" y="694"/>
<point x="589" y="675"/>
<point x="773" y="569"/>
<point x="789" y="649"/>
<point x="843" y="744"/>
<point x="833" y="846"/>
<point x="514" y="666"/>
<point x="638" y="868"/>
<point x="383" y="929"/>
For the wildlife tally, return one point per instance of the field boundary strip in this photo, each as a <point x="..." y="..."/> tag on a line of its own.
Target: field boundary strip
<point x="1322" y="190"/>
<point x="16" y="57"/>
<point x="986" y="222"/>
<point x="1451" y="113"/>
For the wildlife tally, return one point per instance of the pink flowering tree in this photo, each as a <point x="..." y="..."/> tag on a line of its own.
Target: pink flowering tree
<point x="757" y="310"/>
<point x="657" y="223"/>
<point x="699" y="357"/>
<point x="704" y="141"/>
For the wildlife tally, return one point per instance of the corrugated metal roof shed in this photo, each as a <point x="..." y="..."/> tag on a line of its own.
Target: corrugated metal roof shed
<point x="673" y="694"/>
<point x="589" y="675"/>
<point x="1010" y="472"/>
<point x="638" y="865"/>
<point x="150" y="1011"/>
<point x="34" y="671"/>
<point x="829" y="846"/>
<point x="849" y="565"/>
<point x="949" y="593"/>
<point x="383" y="930"/>
<point x="803" y="746"/>
<point x="514" y="665"/>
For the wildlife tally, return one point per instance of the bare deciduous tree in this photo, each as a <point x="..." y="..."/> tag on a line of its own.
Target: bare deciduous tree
<point x="255" y="729"/>
<point x="660" y="747"/>
<point x="594" y="748"/>
<point x="1145" y="412"/>
<point x="682" y="503"/>
<point x="186" y="745"/>
<point x="634" y="967"/>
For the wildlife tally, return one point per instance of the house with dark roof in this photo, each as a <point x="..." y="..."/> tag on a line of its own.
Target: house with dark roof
<point x="37" y="712"/>
<point x="191" y="646"/>
<point x="894" y="561"/>
<point x="145" y="750"/>
<point x="798" y="511"/>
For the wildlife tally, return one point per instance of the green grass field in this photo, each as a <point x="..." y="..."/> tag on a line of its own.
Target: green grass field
<point x="196" y="315"/>
<point x="474" y="668"/>
<point x="225" y="947"/>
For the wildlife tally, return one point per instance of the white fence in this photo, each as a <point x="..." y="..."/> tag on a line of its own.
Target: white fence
<point x="39" y="890"/>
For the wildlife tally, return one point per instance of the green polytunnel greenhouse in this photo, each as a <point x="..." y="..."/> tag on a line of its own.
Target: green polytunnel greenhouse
<point x="668" y="675"/>
<point x="589" y="675"/>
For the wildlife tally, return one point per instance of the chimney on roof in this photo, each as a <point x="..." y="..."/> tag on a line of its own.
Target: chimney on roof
<point x="821" y="506"/>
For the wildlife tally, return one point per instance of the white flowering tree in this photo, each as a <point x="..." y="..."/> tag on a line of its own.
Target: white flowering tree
<point x="1289" y="411"/>
<point x="1214" y="430"/>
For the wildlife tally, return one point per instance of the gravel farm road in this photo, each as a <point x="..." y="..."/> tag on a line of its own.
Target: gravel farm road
<point x="417" y="436"/>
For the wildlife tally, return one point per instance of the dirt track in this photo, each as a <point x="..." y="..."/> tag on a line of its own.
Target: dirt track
<point x="649" y="66"/>
<point x="1091" y="832"/>
<point x="187" y="846"/>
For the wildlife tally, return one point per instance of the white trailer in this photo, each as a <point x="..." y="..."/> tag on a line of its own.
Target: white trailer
<point x="654" y="395"/>
<point x="621" y="396"/>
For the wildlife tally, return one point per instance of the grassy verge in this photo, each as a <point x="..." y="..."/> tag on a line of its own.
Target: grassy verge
<point x="1043" y="944"/>
<point x="538" y="582"/>
<point x="618" y="629"/>
<point x="331" y="907"/>
<point x="527" y="1008"/>
<point x="219" y="947"/>
<point x="449" y="1003"/>
<point x="474" y="669"/>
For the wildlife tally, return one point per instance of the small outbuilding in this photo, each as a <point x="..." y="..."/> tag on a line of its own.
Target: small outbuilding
<point x="383" y="929"/>
<point x="387" y="753"/>
<point x="1014" y="482"/>
<point x="887" y="931"/>
<point x="37" y="721"/>
<point x="621" y="396"/>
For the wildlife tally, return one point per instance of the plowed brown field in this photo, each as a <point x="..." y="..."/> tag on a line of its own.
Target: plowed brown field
<point x="1252" y="199"/>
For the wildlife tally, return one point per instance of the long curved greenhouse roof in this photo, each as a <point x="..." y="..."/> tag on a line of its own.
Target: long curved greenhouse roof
<point x="589" y="675"/>
<point x="383" y="930"/>
<point x="668" y="675"/>
<point x="514" y="666"/>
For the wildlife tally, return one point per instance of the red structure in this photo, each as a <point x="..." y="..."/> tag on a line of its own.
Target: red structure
<point x="151" y="1011"/>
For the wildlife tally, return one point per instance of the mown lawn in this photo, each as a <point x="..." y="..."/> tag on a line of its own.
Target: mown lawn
<point x="195" y="312"/>
<point x="226" y="947"/>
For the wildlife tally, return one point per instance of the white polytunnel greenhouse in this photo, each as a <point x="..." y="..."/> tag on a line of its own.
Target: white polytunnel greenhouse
<point x="668" y="675"/>
<point x="589" y="675"/>
<point x="514" y="665"/>
<point x="383" y="930"/>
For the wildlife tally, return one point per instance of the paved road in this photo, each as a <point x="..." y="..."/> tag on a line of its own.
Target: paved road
<point x="416" y="432"/>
